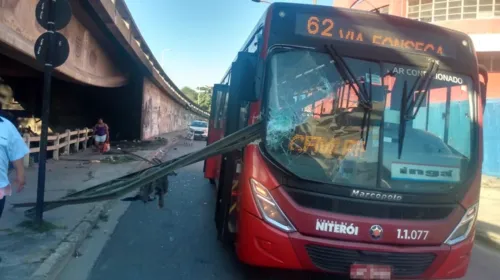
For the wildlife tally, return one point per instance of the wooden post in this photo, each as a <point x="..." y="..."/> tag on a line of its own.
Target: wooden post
<point x="67" y="145"/>
<point x="91" y="137"/>
<point x="76" y="147"/>
<point x="26" y="159"/>
<point x="55" y="153"/>
<point x="85" y="138"/>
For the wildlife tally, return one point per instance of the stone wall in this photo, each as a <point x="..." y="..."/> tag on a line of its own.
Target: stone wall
<point x="161" y="114"/>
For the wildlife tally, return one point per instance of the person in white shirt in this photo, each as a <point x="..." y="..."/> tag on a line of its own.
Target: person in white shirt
<point x="12" y="151"/>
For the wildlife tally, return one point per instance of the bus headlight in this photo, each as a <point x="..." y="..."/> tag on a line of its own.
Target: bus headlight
<point x="463" y="229"/>
<point x="269" y="209"/>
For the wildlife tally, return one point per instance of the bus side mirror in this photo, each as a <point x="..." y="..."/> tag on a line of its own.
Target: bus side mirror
<point x="483" y="85"/>
<point x="243" y="72"/>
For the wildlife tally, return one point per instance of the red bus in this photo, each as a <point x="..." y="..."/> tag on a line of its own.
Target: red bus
<point x="370" y="162"/>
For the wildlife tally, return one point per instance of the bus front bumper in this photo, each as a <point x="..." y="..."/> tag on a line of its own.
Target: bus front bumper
<point x="260" y="244"/>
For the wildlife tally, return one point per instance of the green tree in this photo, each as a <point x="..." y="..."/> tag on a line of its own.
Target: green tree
<point x="205" y="97"/>
<point x="205" y="101"/>
<point x="202" y="96"/>
<point x="205" y="89"/>
<point x="190" y="93"/>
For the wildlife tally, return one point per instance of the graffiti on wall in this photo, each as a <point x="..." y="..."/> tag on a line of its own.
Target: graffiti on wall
<point x="161" y="114"/>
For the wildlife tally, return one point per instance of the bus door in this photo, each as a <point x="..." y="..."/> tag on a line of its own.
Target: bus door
<point x="241" y="95"/>
<point x="216" y="126"/>
<point x="227" y="169"/>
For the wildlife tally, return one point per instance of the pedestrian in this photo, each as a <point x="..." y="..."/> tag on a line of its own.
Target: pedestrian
<point x="12" y="151"/>
<point x="101" y="135"/>
<point x="6" y="96"/>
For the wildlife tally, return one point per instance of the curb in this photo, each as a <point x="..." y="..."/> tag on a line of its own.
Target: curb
<point x="50" y="268"/>
<point x="57" y="260"/>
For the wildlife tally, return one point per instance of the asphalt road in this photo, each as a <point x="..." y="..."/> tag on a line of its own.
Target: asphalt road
<point x="179" y="241"/>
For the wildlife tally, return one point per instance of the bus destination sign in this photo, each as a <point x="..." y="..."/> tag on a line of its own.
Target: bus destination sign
<point x="341" y="29"/>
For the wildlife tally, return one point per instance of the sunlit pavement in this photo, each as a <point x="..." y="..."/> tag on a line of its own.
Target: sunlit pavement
<point x="179" y="242"/>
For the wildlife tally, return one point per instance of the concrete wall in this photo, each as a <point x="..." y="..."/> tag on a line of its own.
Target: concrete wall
<point x="160" y="114"/>
<point x="87" y="63"/>
<point x="110" y="71"/>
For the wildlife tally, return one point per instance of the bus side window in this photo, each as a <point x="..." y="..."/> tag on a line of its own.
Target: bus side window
<point x="221" y="107"/>
<point x="225" y="99"/>
<point x="244" y="112"/>
<point x="216" y="113"/>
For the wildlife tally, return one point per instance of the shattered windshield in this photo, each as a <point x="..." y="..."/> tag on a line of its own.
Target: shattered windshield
<point x="317" y="130"/>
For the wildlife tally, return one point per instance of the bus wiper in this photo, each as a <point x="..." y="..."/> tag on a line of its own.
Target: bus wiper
<point x="407" y="111"/>
<point x="421" y="89"/>
<point x="402" y="119"/>
<point x="367" y="113"/>
<point x="347" y="75"/>
<point x="364" y="97"/>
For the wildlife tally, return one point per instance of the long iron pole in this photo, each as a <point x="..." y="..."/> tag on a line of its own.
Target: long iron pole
<point x="47" y="80"/>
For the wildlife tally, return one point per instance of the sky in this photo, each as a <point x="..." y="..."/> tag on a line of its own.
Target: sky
<point x="198" y="39"/>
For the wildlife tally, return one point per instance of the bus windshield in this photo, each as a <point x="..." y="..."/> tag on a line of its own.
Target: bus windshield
<point x="317" y="129"/>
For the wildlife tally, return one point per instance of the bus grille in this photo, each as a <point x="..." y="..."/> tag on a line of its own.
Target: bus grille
<point x="340" y="260"/>
<point x="368" y="208"/>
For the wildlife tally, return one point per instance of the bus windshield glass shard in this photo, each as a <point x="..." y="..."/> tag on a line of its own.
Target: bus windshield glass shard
<point x="317" y="127"/>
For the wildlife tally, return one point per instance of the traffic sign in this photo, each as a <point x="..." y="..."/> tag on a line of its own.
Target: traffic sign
<point x="59" y="54"/>
<point x="61" y="10"/>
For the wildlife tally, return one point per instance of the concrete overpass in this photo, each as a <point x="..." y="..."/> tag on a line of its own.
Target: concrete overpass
<point x="110" y="72"/>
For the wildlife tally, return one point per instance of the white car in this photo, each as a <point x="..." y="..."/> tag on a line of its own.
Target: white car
<point x="200" y="129"/>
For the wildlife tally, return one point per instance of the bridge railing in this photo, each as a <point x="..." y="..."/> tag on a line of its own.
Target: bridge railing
<point x="67" y="142"/>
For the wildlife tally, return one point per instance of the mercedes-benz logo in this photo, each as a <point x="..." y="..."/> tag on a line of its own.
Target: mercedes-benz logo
<point x="376" y="232"/>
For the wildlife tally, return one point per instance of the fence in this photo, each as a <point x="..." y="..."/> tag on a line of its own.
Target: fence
<point x="67" y="141"/>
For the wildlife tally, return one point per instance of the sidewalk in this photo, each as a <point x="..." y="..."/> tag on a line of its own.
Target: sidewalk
<point x="488" y="221"/>
<point x="26" y="253"/>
